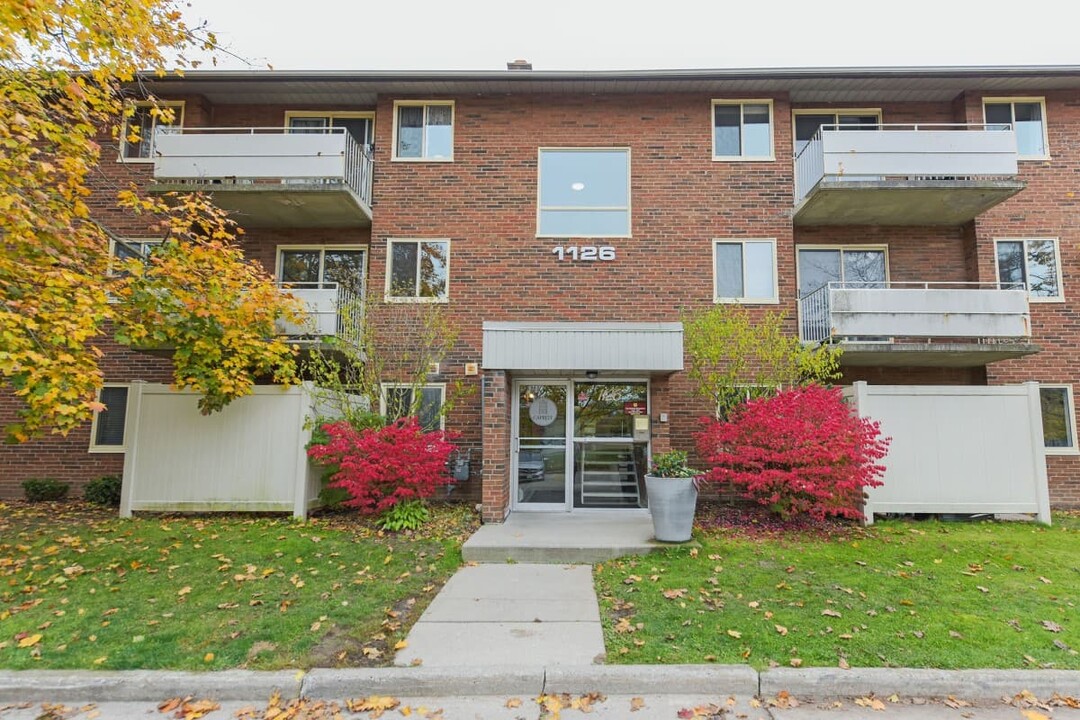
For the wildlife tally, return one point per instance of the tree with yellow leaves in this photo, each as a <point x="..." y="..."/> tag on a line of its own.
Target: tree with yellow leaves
<point x="64" y="66"/>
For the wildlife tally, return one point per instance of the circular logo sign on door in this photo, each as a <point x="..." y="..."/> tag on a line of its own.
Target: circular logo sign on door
<point x="543" y="411"/>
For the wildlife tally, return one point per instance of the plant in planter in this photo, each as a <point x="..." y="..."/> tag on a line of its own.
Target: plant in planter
<point x="673" y="488"/>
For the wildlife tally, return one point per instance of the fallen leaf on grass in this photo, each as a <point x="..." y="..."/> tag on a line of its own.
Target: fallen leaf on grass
<point x="734" y="633"/>
<point x="30" y="640"/>
<point x="830" y="613"/>
<point x="781" y="629"/>
<point x="1051" y="626"/>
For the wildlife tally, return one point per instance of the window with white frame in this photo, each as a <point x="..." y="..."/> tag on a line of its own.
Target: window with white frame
<point x="742" y="129"/>
<point x="1033" y="263"/>
<point x="1027" y="117"/>
<point x="423" y="130"/>
<point x="107" y="431"/>
<point x="1059" y="429"/>
<point x="744" y="271"/>
<point x="400" y="401"/>
<point x="123" y="249"/>
<point x="314" y="266"/>
<point x="583" y="192"/>
<point x="418" y="270"/>
<point x="141" y="121"/>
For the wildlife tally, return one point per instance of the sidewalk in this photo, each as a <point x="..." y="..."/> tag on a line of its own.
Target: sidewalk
<point x="508" y="614"/>
<point x="506" y="693"/>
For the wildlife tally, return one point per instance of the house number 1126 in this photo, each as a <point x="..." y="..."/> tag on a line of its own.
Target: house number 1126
<point x="584" y="252"/>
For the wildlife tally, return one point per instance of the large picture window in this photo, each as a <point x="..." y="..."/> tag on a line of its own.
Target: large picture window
<point x="418" y="270"/>
<point x="584" y="192"/>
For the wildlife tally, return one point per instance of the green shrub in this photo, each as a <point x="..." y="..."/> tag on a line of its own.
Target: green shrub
<point x="407" y="515"/>
<point x="104" y="491"/>
<point x="43" y="489"/>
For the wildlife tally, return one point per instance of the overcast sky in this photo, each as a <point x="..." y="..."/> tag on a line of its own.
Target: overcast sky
<point x="633" y="34"/>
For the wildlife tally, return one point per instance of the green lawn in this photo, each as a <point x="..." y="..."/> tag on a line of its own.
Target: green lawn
<point x="80" y="588"/>
<point x="918" y="594"/>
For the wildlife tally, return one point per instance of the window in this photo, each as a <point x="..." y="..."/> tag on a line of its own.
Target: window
<point x="359" y="125"/>
<point x="1031" y="262"/>
<point x="583" y="192"/>
<point x="807" y="122"/>
<point x="742" y="129"/>
<point x="745" y="271"/>
<point x="397" y="402"/>
<point x="313" y="266"/>
<point x="1027" y="117"/>
<point x="854" y="267"/>
<point x="107" y="428"/>
<point x="1059" y="433"/>
<point x="418" y="270"/>
<point x="127" y="248"/>
<point x="141" y="121"/>
<point x="424" y="131"/>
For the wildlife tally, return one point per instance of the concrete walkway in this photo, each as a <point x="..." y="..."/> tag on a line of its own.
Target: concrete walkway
<point x="509" y="615"/>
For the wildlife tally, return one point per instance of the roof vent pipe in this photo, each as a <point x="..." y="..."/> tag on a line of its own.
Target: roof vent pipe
<point x="519" y="65"/>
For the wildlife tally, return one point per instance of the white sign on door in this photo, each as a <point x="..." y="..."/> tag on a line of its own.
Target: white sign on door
<point x="543" y="411"/>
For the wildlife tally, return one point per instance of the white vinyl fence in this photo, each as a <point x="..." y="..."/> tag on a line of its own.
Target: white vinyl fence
<point x="958" y="449"/>
<point x="248" y="457"/>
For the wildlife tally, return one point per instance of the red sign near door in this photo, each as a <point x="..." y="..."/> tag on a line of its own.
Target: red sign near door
<point x="635" y="407"/>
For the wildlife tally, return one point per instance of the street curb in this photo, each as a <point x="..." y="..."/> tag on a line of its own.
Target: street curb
<point x="653" y="679"/>
<point x="326" y="683"/>
<point x="976" y="685"/>
<point x="143" y="685"/>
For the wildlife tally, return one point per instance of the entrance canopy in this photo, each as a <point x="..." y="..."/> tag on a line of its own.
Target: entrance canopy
<point x="539" y="346"/>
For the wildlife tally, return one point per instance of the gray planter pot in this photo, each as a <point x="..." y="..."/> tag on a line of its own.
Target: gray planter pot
<point x="672" y="502"/>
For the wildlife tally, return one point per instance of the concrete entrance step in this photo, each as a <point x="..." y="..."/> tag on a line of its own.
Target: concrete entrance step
<point x="579" y="537"/>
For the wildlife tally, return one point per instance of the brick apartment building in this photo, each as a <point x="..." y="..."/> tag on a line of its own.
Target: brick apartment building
<point x="566" y="219"/>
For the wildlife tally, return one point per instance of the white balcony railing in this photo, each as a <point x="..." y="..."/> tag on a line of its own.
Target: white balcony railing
<point x="914" y="310"/>
<point x="255" y="155"/>
<point x="924" y="151"/>
<point x="331" y="310"/>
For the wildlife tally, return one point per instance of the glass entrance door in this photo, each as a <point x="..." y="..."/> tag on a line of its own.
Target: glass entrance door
<point x="609" y="461"/>
<point x="541" y="460"/>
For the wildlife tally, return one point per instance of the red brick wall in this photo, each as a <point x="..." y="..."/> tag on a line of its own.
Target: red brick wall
<point x="485" y="203"/>
<point x="1048" y="207"/>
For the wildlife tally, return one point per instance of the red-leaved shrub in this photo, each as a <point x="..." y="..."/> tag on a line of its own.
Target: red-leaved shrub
<point x="380" y="467"/>
<point x="802" y="450"/>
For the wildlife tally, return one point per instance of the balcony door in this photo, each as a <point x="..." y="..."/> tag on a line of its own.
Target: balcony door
<point x="856" y="267"/>
<point x="360" y="126"/>
<point x="318" y="267"/>
<point x="807" y="122"/>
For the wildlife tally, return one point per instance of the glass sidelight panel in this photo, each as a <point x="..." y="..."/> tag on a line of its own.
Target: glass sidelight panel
<point x="541" y="445"/>
<point x="609" y="461"/>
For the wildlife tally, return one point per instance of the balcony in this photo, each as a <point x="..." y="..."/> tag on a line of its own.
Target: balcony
<point x="270" y="177"/>
<point x="331" y="311"/>
<point x="919" y="323"/>
<point x="922" y="174"/>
